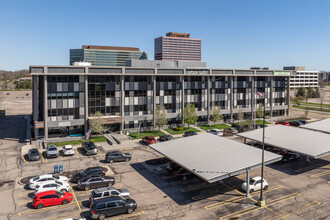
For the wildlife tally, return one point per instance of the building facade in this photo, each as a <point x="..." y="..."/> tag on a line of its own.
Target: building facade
<point x="178" y="46"/>
<point x="66" y="97"/>
<point x="302" y="78"/>
<point x="106" y="55"/>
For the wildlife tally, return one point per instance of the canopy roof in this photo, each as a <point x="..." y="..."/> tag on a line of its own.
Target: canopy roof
<point x="323" y="125"/>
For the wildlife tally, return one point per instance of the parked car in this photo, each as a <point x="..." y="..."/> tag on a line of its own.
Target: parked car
<point x="94" y="182"/>
<point x="215" y="132"/>
<point x="182" y="174"/>
<point x="50" y="198"/>
<point x="172" y="167"/>
<point x="189" y="133"/>
<point x="43" y="178"/>
<point x="52" y="151"/>
<point x="290" y="156"/>
<point x="102" y="208"/>
<point x="166" y="138"/>
<point x="280" y="151"/>
<point x="68" y="150"/>
<point x="295" y="123"/>
<point x="33" y="154"/>
<point x="89" y="148"/>
<point x="109" y="191"/>
<point x="230" y="131"/>
<point x="255" y="184"/>
<point x="303" y="121"/>
<point x="282" y="123"/>
<point x="117" y="156"/>
<point x="149" y="140"/>
<point x="52" y="185"/>
<point x="240" y="128"/>
<point x="91" y="171"/>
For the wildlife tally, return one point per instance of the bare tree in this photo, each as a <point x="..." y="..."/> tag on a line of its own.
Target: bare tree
<point x="240" y="114"/>
<point x="322" y="98"/>
<point x="160" y="116"/>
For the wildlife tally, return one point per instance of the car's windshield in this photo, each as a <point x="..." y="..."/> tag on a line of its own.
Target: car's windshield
<point x="82" y="173"/>
<point x="56" y="177"/>
<point x="59" y="193"/>
<point x="252" y="181"/>
<point x="36" y="178"/>
<point x="52" y="149"/>
<point x="34" y="152"/>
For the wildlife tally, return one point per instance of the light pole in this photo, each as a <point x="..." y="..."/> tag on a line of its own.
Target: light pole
<point x="261" y="201"/>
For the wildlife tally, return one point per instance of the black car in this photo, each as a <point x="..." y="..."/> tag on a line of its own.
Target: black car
<point x="189" y="133"/>
<point x="239" y="128"/>
<point x="172" y="167"/>
<point x="110" y="206"/>
<point x="166" y="138"/>
<point x="290" y="157"/>
<point x="117" y="156"/>
<point x="33" y="154"/>
<point x="183" y="174"/>
<point x="295" y="123"/>
<point x="95" y="182"/>
<point x="303" y="121"/>
<point x="91" y="171"/>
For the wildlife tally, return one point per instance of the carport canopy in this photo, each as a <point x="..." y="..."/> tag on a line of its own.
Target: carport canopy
<point x="302" y="141"/>
<point x="323" y="126"/>
<point x="212" y="157"/>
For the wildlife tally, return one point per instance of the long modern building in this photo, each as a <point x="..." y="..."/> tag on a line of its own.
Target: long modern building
<point x="177" y="46"/>
<point x="66" y="97"/>
<point x="302" y="78"/>
<point x="106" y="55"/>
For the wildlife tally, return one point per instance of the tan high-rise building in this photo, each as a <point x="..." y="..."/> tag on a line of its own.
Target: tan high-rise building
<point x="177" y="46"/>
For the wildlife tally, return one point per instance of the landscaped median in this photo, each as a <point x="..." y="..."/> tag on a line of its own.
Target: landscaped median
<point x="216" y="126"/>
<point x="95" y="139"/>
<point x="136" y="135"/>
<point x="173" y="132"/>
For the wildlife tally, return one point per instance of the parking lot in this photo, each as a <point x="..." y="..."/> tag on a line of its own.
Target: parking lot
<point x="297" y="191"/>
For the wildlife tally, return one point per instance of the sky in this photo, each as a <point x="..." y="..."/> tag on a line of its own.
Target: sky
<point x="236" y="34"/>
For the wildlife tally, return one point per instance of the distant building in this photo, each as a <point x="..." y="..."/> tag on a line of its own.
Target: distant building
<point x="165" y="64"/>
<point x="324" y="76"/>
<point x="106" y="55"/>
<point x="177" y="46"/>
<point x="259" y="68"/>
<point x="302" y="78"/>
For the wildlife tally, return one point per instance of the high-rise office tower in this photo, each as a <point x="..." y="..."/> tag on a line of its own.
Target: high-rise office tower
<point x="177" y="46"/>
<point x="106" y="55"/>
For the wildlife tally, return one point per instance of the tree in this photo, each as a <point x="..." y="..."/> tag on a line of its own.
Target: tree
<point x="322" y="98"/>
<point x="240" y="114"/>
<point x="216" y="114"/>
<point x="301" y="92"/>
<point x="160" y="116"/>
<point x="260" y="111"/>
<point x="307" y="95"/>
<point x="298" y="100"/>
<point x="96" y="122"/>
<point x="190" y="114"/>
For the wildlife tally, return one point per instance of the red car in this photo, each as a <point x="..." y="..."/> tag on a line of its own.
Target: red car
<point x="149" y="140"/>
<point x="50" y="198"/>
<point x="282" y="123"/>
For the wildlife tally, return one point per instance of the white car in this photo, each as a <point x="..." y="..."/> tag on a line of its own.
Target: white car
<point x="52" y="185"/>
<point x="68" y="150"/>
<point x="47" y="177"/>
<point x="255" y="184"/>
<point x="215" y="132"/>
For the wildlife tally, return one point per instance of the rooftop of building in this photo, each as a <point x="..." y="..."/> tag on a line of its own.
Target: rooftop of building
<point x="176" y="34"/>
<point x="95" y="47"/>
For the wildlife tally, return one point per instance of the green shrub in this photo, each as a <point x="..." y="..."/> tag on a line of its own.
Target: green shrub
<point x="178" y="128"/>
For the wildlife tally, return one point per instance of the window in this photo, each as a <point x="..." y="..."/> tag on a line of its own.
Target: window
<point x="120" y="203"/>
<point x="100" y="206"/>
<point x="111" y="204"/>
<point x="114" y="193"/>
<point x="106" y="194"/>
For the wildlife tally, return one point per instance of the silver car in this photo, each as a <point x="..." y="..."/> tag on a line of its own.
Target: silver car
<point x="52" y="151"/>
<point x="89" y="147"/>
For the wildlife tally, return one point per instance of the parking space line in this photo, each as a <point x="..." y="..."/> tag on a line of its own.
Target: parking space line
<point x="127" y="148"/>
<point x="24" y="159"/>
<point x="232" y="189"/>
<point x="99" y="152"/>
<point x="76" y="149"/>
<point x="129" y="216"/>
<point x="74" y="195"/>
<point x="46" y="209"/>
<point x="236" y="199"/>
<point x="307" y="206"/>
<point x="308" y="168"/>
<point x="321" y="173"/>
<point x="255" y="208"/>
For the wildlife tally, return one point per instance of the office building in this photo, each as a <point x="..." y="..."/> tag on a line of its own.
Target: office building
<point x="302" y="78"/>
<point x="65" y="97"/>
<point x="165" y="64"/>
<point x="324" y="77"/>
<point x="106" y="55"/>
<point x="177" y="46"/>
